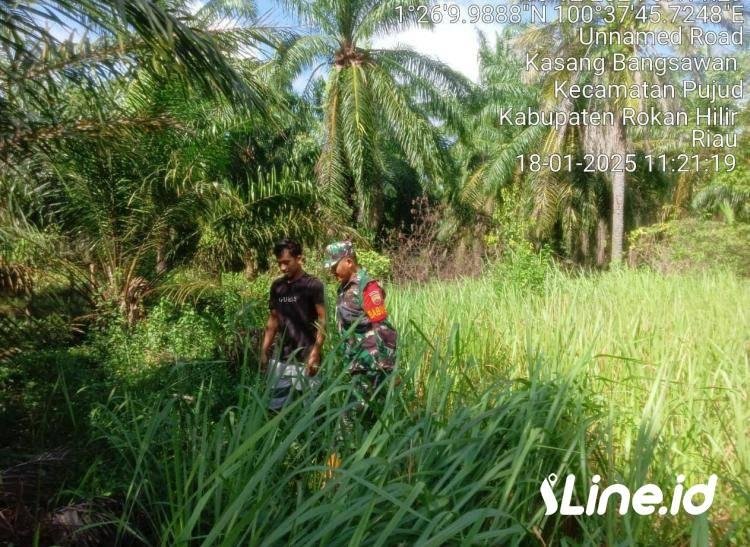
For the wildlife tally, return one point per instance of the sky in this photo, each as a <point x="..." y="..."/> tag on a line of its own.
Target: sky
<point x="454" y="44"/>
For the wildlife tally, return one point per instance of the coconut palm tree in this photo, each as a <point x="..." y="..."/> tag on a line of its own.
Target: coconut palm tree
<point x="372" y="95"/>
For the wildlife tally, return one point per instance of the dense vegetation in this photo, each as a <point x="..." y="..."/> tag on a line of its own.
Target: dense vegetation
<point x="152" y="152"/>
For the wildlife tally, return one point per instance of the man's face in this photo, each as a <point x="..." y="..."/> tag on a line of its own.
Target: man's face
<point x="343" y="269"/>
<point x="289" y="265"/>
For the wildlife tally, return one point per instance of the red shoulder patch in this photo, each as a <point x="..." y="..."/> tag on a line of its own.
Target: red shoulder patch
<point x="373" y="302"/>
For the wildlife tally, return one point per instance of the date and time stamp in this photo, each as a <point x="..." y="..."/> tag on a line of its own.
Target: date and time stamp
<point x="626" y="163"/>
<point x="712" y="30"/>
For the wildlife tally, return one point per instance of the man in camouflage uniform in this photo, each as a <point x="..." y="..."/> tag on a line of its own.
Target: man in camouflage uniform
<point x="362" y="319"/>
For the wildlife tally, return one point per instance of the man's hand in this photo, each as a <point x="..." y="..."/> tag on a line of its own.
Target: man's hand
<point x="313" y="362"/>
<point x="272" y="325"/>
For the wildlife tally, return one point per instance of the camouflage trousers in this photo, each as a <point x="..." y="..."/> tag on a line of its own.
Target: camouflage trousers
<point x="371" y="357"/>
<point x="372" y="351"/>
<point x="365" y="403"/>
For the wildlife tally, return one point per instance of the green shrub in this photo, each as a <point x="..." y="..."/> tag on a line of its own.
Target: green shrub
<point x="34" y="333"/>
<point x="376" y="264"/>
<point x="238" y="309"/>
<point x="727" y="194"/>
<point x="523" y="267"/>
<point x="511" y="224"/>
<point x="196" y="319"/>
<point x="692" y="244"/>
<point x="170" y="333"/>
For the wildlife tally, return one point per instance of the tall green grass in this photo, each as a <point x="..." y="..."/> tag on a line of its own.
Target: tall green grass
<point x="667" y="356"/>
<point x="447" y="462"/>
<point x="631" y="375"/>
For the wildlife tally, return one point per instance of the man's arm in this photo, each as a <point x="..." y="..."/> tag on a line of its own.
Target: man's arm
<point x="272" y="326"/>
<point x="313" y="360"/>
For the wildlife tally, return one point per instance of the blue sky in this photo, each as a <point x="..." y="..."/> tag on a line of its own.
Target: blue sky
<point x="454" y="44"/>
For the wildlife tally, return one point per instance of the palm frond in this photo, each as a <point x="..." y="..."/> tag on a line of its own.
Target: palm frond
<point x="330" y="168"/>
<point x="303" y="52"/>
<point x="726" y="192"/>
<point x="40" y="73"/>
<point x="414" y="134"/>
<point x="379" y="18"/>
<point x="432" y="72"/>
<point x="224" y="12"/>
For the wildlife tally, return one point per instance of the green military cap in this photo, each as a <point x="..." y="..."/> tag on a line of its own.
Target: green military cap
<point x="336" y="251"/>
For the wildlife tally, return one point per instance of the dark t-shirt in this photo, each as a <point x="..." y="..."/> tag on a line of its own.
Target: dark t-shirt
<point x="295" y="304"/>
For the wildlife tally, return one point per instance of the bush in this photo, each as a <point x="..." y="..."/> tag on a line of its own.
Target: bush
<point x="726" y="195"/>
<point x="24" y="333"/>
<point x="436" y="245"/>
<point x="523" y="267"/>
<point x="692" y="244"/>
<point x="238" y="309"/>
<point x="376" y="264"/>
<point x="170" y="333"/>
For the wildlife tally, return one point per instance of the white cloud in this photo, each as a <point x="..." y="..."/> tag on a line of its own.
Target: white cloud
<point x="454" y="44"/>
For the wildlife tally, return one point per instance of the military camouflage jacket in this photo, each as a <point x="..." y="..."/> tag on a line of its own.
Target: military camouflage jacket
<point x="362" y="318"/>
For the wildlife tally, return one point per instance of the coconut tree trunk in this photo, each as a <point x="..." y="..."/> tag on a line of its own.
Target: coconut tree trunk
<point x="618" y="198"/>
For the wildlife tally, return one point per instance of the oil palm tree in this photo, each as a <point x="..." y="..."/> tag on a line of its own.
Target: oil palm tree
<point x="372" y="95"/>
<point x="728" y="193"/>
<point x="488" y="154"/>
<point x="560" y="39"/>
<point x="109" y="225"/>
<point x="561" y="210"/>
<point x="111" y="142"/>
<point x="48" y="78"/>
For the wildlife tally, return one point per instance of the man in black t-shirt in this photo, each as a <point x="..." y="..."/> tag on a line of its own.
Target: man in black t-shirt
<point x="297" y="320"/>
